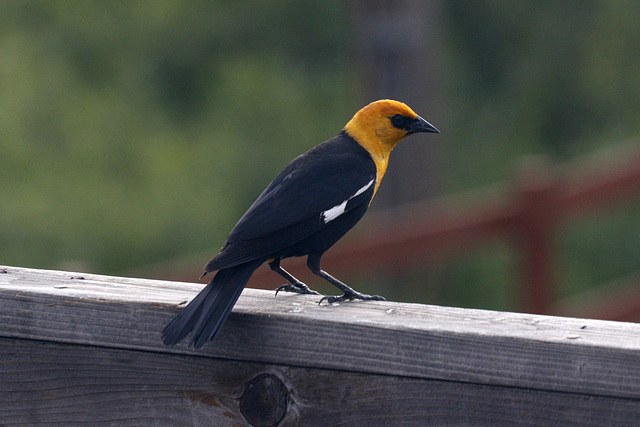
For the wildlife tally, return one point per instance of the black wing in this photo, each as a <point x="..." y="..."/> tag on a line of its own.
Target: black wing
<point x="299" y="201"/>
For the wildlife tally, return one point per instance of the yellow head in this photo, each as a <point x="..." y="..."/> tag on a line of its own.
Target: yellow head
<point x="379" y="126"/>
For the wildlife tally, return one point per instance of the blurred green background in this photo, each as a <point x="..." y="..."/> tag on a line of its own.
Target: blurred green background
<point x="137" y="133"/>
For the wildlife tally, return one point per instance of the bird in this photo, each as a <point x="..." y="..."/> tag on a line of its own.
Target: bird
<point x="309" y="206"/>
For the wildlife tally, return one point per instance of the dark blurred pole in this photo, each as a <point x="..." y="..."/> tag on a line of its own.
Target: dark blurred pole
<point x="397" y="51"/>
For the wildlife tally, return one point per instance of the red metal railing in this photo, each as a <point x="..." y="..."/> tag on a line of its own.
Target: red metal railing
<point x="528" y="211"/>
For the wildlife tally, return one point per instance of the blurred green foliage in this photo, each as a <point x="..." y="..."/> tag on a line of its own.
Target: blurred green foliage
<point x="135" y="132"/>
<point x="556" y="78"/>
<point x="551" y="77"/>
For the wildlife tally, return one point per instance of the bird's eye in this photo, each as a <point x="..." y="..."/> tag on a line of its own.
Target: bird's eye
<point x="397" y="120"/>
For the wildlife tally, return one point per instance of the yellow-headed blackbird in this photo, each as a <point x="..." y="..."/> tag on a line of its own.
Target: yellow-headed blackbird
<point x="307" y="208"/>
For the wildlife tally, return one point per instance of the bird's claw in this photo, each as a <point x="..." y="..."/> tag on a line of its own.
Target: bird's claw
<point x="351" y="296"/>
<point x="304" y="289"/>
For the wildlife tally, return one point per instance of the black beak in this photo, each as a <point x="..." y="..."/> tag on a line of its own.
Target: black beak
<point x="421" y="125"/>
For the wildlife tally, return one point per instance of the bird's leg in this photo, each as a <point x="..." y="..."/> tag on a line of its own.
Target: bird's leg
<point x="313" y="262"/>
<point x="294" y="284"/>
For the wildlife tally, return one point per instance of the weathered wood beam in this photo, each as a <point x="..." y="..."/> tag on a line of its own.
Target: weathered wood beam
<point x="86" y="348"/>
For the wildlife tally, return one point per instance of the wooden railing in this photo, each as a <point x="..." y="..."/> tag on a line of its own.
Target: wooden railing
<point x="83" y="349"/>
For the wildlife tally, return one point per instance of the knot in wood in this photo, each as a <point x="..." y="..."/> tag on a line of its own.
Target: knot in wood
<point x="264" y="401"/>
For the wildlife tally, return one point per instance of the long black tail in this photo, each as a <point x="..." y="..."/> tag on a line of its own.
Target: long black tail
<point x="210" y="308"/>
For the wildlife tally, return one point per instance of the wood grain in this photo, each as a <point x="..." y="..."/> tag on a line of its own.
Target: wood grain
<point x="79" y="344"/>
<point x="49" y="383"/>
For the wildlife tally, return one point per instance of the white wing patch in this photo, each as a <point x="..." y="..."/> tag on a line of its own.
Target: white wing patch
<point x="336" y="211"/>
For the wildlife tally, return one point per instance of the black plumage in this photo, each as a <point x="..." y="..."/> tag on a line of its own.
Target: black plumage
<point x="286" y="219"/>
<point x="308" y="207"/>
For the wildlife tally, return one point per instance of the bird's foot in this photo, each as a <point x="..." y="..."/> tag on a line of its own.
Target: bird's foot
<point x="300" y="288"/>
<point x="348" y="296"/>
